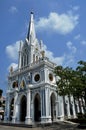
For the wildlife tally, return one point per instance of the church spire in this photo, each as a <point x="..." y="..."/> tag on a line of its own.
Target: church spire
<point x="31" y="32"/>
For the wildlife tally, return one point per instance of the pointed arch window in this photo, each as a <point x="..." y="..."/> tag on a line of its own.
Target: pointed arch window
<point x="22" y="61"/>
<point x="27" y="59"/>
<point x="15" y="84"/>
<point x="36" y="59"/>
<point x="33" y="58"/>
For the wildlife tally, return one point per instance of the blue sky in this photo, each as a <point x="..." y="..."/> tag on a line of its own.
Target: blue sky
<point x="59" y="23"/>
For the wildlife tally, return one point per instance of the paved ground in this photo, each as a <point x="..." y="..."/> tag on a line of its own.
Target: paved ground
<point x="59" y="126"/>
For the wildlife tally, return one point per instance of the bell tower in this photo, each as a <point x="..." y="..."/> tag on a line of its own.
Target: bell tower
<point x="31" y="51"/>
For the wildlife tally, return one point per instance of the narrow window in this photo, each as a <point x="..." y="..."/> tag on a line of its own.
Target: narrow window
<point x="36" y="59"/>
<point x="33" y="58"/>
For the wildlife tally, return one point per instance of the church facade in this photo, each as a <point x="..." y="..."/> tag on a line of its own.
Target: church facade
<point x="31" y="93"/>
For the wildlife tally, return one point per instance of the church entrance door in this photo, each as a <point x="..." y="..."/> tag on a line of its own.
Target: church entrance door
<point x="37" y="108"/>
<point x="23" y="109"/>
<point x="53" y="107"/>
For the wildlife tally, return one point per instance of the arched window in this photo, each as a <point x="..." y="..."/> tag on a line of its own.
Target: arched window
<point x="33" y="58"/>
<point x="27" y="59"/>
<point x="15" y="84"/>
<point x="53" y="106"/>
<point x="36" y="58"/>
<point x="24" y="60"/>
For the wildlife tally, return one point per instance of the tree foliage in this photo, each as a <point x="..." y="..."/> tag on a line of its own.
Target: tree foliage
<point x="82" y="70"/>
<point x="72" y="82"/>
<point x="64" y="80"/>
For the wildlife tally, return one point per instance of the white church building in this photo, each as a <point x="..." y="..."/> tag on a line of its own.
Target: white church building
<point x="31" y="94"/>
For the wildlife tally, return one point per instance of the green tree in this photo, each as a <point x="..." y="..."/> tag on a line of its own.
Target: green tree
<point x="82" y="70"/>
<point x="64" y="81"/>
<point x="72" y="82"/>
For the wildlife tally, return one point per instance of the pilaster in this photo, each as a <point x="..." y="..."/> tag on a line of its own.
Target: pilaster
<point x="28" y="118"/>
<point x="15" y="111"/>
<point x="48" y="116"/>
<point x="68" y="108"/>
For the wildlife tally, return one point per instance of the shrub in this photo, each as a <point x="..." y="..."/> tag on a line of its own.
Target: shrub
<point x="80" y="115"/>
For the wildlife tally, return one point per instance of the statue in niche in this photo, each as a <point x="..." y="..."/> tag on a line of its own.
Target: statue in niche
<point x="22" y="84"/>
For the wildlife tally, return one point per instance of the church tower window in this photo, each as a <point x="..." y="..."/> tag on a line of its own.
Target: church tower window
<point x="33" y="58"/>
<point x="36" y="58"/>
<point x="51" y="77"/>
<point x="27" y="59"/>
<point x="24" y="60"/>
<point x="15" y="84"/>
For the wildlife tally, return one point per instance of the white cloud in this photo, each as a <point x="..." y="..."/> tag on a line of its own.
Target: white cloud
<point x="71" y="47"/>
<point x="50" y="55"/>
<point x="14" y="65"/>
<point x="83" y="42"/>
<point x="67" y="59"/>
<point x="13" y="9"/>
<point x="12" y="50"/>
<point x="70" y="56"/>
<point x="76" y="7"/>
<point x="60" y="23"/>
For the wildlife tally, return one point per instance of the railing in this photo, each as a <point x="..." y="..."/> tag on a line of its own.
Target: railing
<point x="32" y="65"/>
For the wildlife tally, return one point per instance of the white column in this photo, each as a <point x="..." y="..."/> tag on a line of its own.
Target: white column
<point x="46" y="75"/>
<point x="57" y="109"/>
<point x="15" y="111"/>
<point x="18" y="114"/>
<point x="61" y="108"/>
<point x="19" y="64"/>
<point x="48" y="105"/>
<point x="78" y="110"/>
<point x="82" y="109"/>
<point x="28" y="118"/>
<point x="74" y="113"/>
<point x="68" y="109"/>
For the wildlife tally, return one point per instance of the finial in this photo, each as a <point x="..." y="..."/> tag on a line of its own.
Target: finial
<point x="11" y="69"/>
<point x="20" y="45"/>
<point x="41" y="42"/>
<point x="43" y="54"/>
